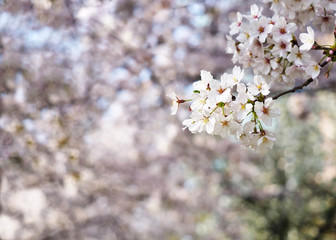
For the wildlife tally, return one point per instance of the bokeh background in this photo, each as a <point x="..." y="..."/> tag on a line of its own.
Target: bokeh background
<point x="90" y="151"/>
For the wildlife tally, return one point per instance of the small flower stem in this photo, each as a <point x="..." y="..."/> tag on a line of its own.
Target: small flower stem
<point x="257" y="121"/>
<point x="301" y="86"/>
<point x="260" y="125"/>
<point x="214" y="110"/>
<point x="321" y="47"/>
<point x="179" y="101"/>
<point x="330" y="66"/>
<point x="324" y="57"/>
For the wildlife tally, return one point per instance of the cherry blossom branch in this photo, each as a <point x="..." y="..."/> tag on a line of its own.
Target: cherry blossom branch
<point x="326" y="88"/>
<point x="301" y="86"/>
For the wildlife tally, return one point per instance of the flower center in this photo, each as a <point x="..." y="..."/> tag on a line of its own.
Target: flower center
<point x="225" y="123"/>
<point x="265" y="110"/>
<point x="283" y="31"/>
<point x="283" y="45"/>
<point x="220" y="90"/>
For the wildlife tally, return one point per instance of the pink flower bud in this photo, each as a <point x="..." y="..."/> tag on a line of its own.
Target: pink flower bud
<point x="331" y="52"/>
<point x="326" y="75"/>
<point x="328" y="59"/>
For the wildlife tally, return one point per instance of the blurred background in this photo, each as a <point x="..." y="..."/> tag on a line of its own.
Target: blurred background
<point x="90" y="151"/>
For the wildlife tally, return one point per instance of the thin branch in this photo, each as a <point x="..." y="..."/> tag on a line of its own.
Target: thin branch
<point x="328" y="88"/>
<point x="306" y="83"/>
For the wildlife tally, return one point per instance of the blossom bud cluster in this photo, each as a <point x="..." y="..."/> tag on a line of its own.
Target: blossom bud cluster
<point x="319" y="12"/>
<point x="268" y="46"/>
<point x="230" y="107"/>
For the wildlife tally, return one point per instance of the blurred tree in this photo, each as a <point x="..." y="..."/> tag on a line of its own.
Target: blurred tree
<point x="88" y="150"/>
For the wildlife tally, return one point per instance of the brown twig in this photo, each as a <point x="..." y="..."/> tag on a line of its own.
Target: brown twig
<point x="306" y="83"/>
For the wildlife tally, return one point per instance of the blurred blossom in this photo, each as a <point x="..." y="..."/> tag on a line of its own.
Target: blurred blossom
<point x="90" y="150"/>
<point x="298" y="105"/>
<point x="9" y="227"/>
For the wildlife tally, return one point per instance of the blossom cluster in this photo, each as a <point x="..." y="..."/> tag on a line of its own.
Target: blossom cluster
<point x="271" y="47"/>
<point x="230" y="107"/>
<point x="268" y="46"/>
<point x="302" y="12"/>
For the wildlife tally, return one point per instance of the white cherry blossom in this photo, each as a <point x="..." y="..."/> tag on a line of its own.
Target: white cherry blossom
<point x="266" y="140"/>
<point x="313" y="70"/>
<point x="175" y="101"/>
<point x="282" y="30"/>
<point x="255" y="12"/>
<point x="237" y="74"/>
<point x="258" y="86"/>
<point x="307" y="39"/>
<point x="242" y="109"/>
<point x="281" y="48"/>
<point x="298" y="57"/>
<point x="200" y="123"/>
<point x="226" y="126"/>
<point x="235" y="26"/>
<point x="266" y="112"/>
<point x="325" y="22"/>
<point x="261" y="29"/>
<point x="203" y="84"/>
